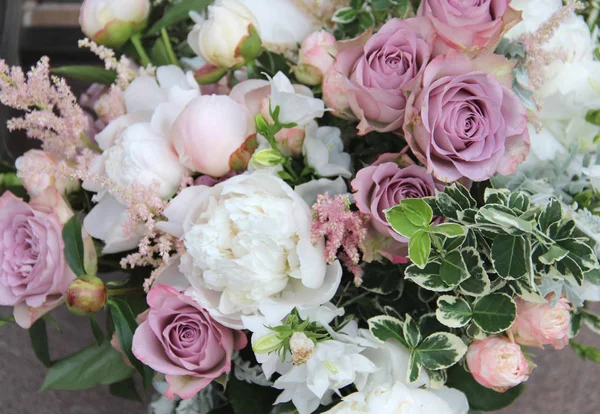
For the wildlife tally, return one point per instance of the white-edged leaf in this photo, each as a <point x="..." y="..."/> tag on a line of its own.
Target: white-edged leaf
<point x="453" y="312"/>
<point x="453" y="270"/>
<point x="591" y="320"/>
<point x="428" y="277"/>
<point x="400" y="222"/>
<point x="418" y="211"/>
<point x="494" y="313"/>
<point x="449" y="230"/>
<point x="440" y="350"/>
<point x="478" y="284"/>
<point x="509" y="256"/>
<point x="345" y="15"/>
<point x="414" y="368"/>
<point x="412" y="334"/>
<point x="385" y="327"/>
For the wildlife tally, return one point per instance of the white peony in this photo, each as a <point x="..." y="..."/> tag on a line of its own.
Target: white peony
<point x="324" y="151"/>
<point x="249" y="249"/>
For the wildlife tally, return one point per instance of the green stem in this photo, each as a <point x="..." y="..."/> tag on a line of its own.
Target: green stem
<point x="354" y="299"/>
<point x="169" y="47"/>
<point x="124" y="291"/>
<point x="90" y="144"/>
<point x="137" y="43"/>
<point x="287" y="166"/>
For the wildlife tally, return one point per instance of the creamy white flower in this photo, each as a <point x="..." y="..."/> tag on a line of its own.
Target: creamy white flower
<point x="310" y="190"/>
<point x="400" y="399"/>
<point x="324" y="151"/>
<point x="217" y="40"/>
<point x="535" y="13"/>
<point x="301" y="347"/>
<point x="35" y="167"/>
<point x="249" y="249"/>
<point x="294" y="107"/>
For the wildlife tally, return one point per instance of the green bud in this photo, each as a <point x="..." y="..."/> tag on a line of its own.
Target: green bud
<point x="308" y="74"/>
<point x="267" y="343"/>
<point x="251" y="47"/>
<point x="86" y="296"/>
<point x="268" y="157"/>
<point x="209" y="74"/>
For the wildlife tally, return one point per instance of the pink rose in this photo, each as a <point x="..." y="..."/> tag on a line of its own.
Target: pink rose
<point x="34" y="274"/>
<point x="497" y="363"/>
<point x="315" y="58"/>
<point x="380" y="70"/>
<point x="465" y="122"/>
<point x="542" y="324"/>
<point x="382" y="186"/>
<point x="180" y="339"/>
<point x="469" y="25"/>
<point x="214" y="135"/>
<point x="335" y="94"/>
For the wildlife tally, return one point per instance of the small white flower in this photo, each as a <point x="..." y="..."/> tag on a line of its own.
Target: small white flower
<point x="310" y="190"/>
<point x="324" y="152"/>
<point x="294" y="107"/>
<point x="301" y="347"/>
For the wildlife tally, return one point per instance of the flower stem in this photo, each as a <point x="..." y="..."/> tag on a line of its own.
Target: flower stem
<point x="90" y="144"/>
<point x="169" y="47"/>
<point x="137" y="43"/>
<point x="124" y="291"/>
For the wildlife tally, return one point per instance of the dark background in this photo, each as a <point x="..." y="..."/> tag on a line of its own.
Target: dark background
<point x="561" y="383"/>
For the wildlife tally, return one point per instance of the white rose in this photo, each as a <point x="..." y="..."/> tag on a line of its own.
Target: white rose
<point x="294" y="107"/>
<point x="249" y="249"/>
<point x="218" y="40"/>
<point x="112" y="22"/>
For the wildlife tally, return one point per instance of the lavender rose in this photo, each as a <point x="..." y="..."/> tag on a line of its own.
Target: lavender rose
<point x="468" y="25"/>
<point x="181" y="340"/>
<point x="382" y="186"/>
<point x="34" y="275"/>
<point x="465" y="122"/>
<point x="379" y="71"/>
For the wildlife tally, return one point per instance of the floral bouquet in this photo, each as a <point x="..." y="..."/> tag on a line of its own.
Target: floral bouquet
<point x="364" y="206"/>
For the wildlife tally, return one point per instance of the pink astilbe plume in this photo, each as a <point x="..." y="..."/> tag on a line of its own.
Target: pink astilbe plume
<point x="52" y="113"/>
<point x="344" y="231"/>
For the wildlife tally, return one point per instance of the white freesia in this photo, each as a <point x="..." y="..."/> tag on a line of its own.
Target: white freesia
<point x="324" y="151"/>
<point x="294" y="107"/>
<point x="249" y="249"/>
<point x="400" y="399"/>
<point x="217" y="40"/>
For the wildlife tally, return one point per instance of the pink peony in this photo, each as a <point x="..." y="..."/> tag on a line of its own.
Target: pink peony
<point x="180" y="339"/>
<point x="34" y="274"/>
<point x="465" y="122"/>
<point x="380" y="70"/>
<point x="382" y="186"/>
<point x="469" y="25"/>
<point x="316" y="57"/>
<point x="542" y="324"/>
<point x="497" y="363"/>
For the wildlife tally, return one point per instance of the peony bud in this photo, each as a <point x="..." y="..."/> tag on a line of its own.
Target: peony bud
<point x="267" y="343"/>
<point x="86" y="296"/>
<point x="302" y="348"/>
<point x="316" y="57"/>
<point x="214" y="135"/>
<point x="113" y="22"/>
<point x="229" y="38"/>
<point x="497" y="363"/>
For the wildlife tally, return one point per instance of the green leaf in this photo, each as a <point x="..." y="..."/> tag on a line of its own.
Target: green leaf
<point x="480" y="397"/>
<point x="555" y="253"/>
<point x="441" y="350"/>
<point x="96" y="330"/>
<point x="357" y="4"/>
<point x="453" y="312"/>
<point x="504" y="218"/>
<point x="381" y="5"/>
<point x="478" y="284"/>
<point x="399" y="221"/>
<point x="428" y="277"/>
<point x="125" y="326"/>
<point x="581" y="253"/>
<point x="453" y="270"/>
<point x="419" y="248"/>
<point x="449" y="230"/>
<point x="551" y="214"/>
<point x="125" y="389"/>
<point x="494" y="313"/>
<point x="366" y="19"/>
<point x="159" y="54"/>
<point x="74" y="250"/>
<point x="177" y="13"/>
<point x="461" y="196"/>
<point x="249" y="398"/>
<point x="91" y="74"/>
<point x="417" y="211"/>
<point x="345" y="15"/>
<point x="509" y="256"/>
<point x="575" y="326"/>
<point x="414" y="367"/>
<point x="411" y="331"/>
<point x="448" y="206"/>
<point x="591" y="320"/>
<point x="386" y="327"/>
<point x="39" y="341"/>
<point x="87" y="368"/>
<point x="586" y="352"/>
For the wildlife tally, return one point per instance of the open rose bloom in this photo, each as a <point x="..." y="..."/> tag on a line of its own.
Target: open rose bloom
<point x="310" y="206"/>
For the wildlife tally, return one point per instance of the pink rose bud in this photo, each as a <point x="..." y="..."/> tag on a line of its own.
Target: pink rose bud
<point x="113" y="22"/>
<point x="335" y="95"/>
<point x="542" y="324"/>
<point x="86" y="296"/>
<point x="316" y="57"/>
<point x="497" y="363"/>
<point x="214" y="135"/>
<point x="36" y="170"/>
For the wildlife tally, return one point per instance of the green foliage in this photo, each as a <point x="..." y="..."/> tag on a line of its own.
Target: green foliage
<point x="249" y="398"/>
<point x="125" y="389"/>
<point x="74" y="250"/>
<point x="177" y="13"/>
<point x="586" y="352"/>
<point x="39" y="341"/>
<point x="91" y="74"/>
<point x="362" y="15"/>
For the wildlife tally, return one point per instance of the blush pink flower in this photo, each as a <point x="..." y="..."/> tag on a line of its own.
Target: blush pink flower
<point x="497" y="363"/>
<point x="465" y="122"/>
<point x="180" y="339"/>
<point x="380" y="70"/>
<point x="34" y="274"/>
<point x="542" y="324"/>
<point x="315" y="57"/>
<point x="469" y="25"/>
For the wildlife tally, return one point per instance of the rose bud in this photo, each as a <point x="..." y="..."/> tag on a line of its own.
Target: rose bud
<point x="113" y="22"/>
<point x="335" y="95"/>
<point x="316" y="57"/>
<point x="86" y="296"/>
<point x="229" y="38"/>
<point x="497" y="363"/>
<point x="214" y="135"/>
<point x="542" y="324"/>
